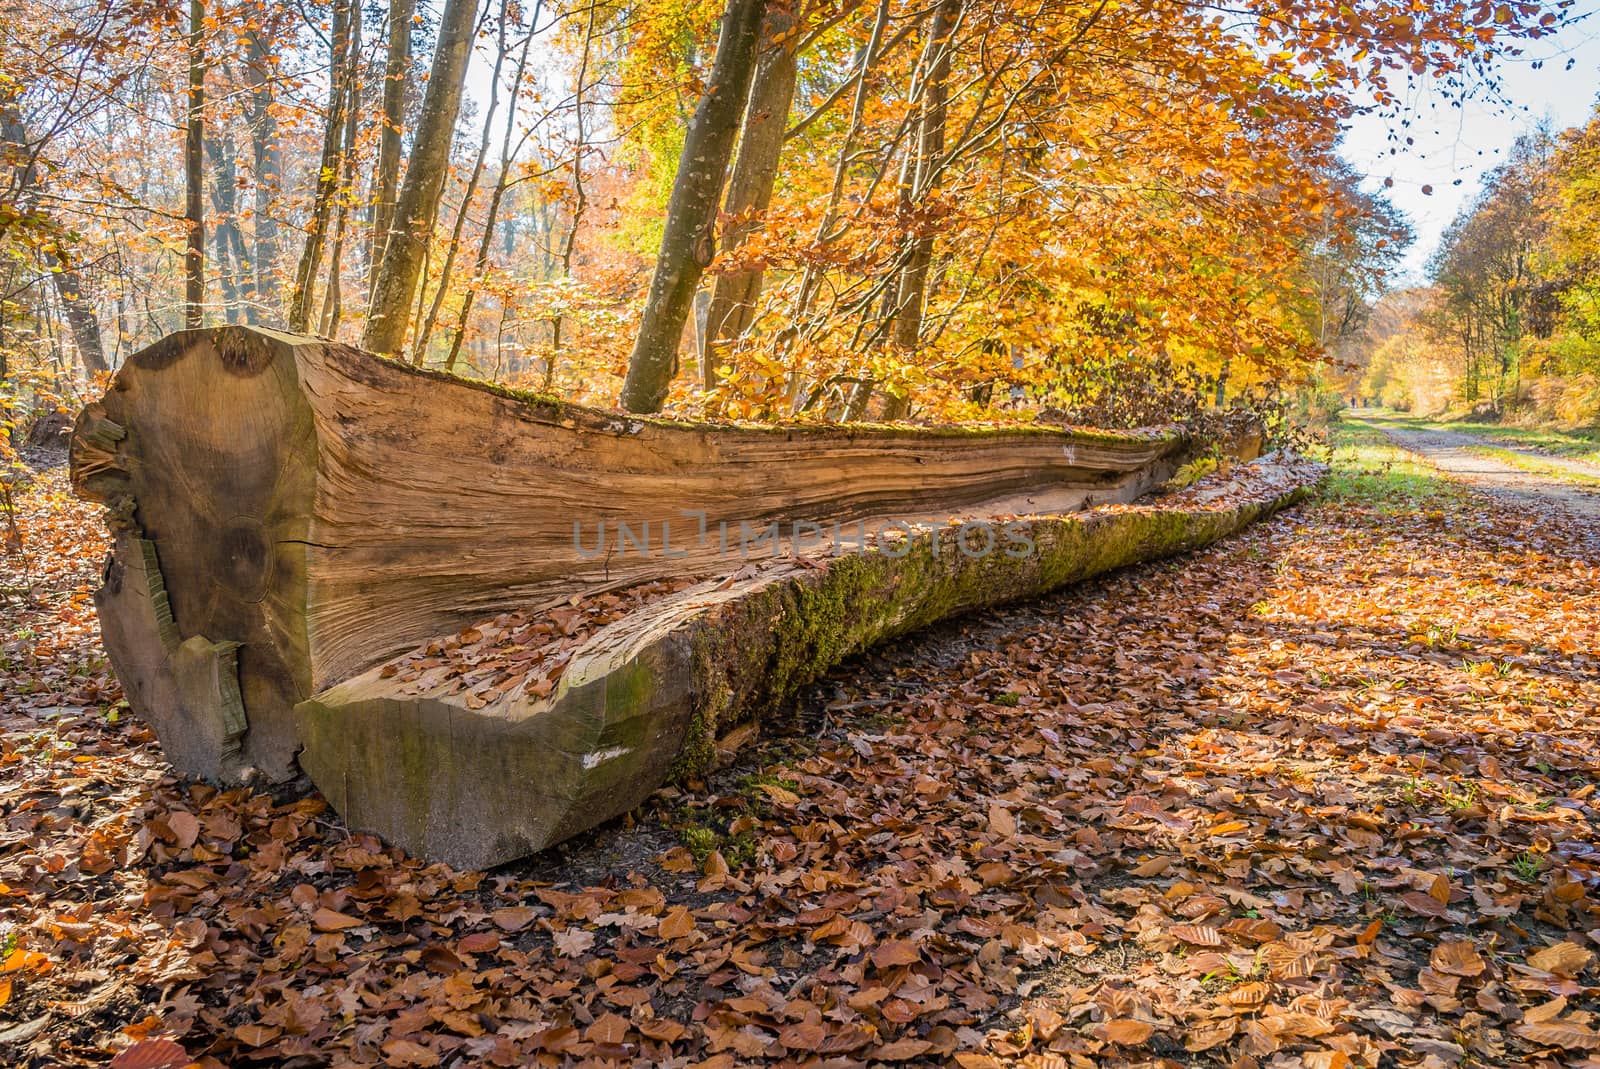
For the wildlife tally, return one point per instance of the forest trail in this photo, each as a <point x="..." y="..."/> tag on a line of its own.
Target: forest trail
<point x="1521" y="475"/>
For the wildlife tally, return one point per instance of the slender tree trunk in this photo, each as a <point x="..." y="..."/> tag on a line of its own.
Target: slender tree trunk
<point x="224" y="232"/>
<point x="841" y="169"/>
<point x="734" y="295"/>
<point x="332" y="297"/>
<point x="268" y="161"/>
<point x="387" y="181"/>
<point x="911" y="295"/>
<point x="448" y="268"/>
<point x="580" y="196"/>
<point x="689" y="240"/>
<point x="331" y="167"/>
<point x="194" y="261"/>
<point x="417" y="204"/>
<point x="480" y="266"/>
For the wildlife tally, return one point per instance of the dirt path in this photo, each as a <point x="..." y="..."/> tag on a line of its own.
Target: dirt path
<point x="1454" y="454"/>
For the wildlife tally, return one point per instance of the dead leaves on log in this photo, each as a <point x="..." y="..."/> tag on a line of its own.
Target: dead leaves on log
<point x="1318" y="797"/>
<point x="526" y="651"/>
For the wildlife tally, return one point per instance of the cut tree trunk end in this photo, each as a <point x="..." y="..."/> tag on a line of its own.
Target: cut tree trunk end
<point x="289" y="514"/>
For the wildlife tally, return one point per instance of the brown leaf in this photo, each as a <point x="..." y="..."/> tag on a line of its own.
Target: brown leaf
<point x="1561" y="1033"/>
<point x="1198" y="935"/>
<point x="1427" y="905"/>
<point x="1127" y="1031"/>
<point x="257" y="1035"/>
<point x="1001" y="821"/>
<point x="895" y="952"/>
<point x="608" y="1028"/>
<point x="513" y="918"/>
<point x="152" y="1054"/>
<point x="1208" y="1034"/>
<point x="185" y="827"/>
<point x="1564" y="959"/>
<point x="676" y="924"/>
<point x="900" y="1050"/>
<point x="406" y="1054"/>
<point x="328" y="920"/>
<point x="1457" y="959"/>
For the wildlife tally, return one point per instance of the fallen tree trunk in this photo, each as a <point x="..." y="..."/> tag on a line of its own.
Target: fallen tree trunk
<point x="290" y="515"/>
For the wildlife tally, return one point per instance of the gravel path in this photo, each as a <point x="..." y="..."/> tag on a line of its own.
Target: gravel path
<point x="1453" y="453"/>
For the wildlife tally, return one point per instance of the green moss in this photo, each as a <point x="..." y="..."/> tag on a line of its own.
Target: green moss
<point x="1010" y="699"/>
<point x="699" y="840"/>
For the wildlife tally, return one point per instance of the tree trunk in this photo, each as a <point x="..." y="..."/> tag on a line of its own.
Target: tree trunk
<point x="225" y="237"/>
<point x="268" y="178"/>
<point x="453" y="249"/>
<point x="389" y="313"/>
<point x="290" y="514"/>
<point x="912" y="289"/>
<point x="330" y="170"/>
<point x="333" y="295"/>
<point x="194" y="260"/>
<point x="480" y="265"/>
<point x="689" y="241"/>
<point x="734" y="295"/>
<point x="275" y="475"/>
<point x="79" y="310"/>
<point x="387" y="181"/>
<point x="75" y="302"/>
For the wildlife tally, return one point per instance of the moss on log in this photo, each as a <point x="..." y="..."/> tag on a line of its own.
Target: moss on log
<point x="289" y="512"/>
<point x="647" y="697"/>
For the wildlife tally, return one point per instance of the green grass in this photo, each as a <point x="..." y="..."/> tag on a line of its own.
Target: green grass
<point x="1368" y="468"/>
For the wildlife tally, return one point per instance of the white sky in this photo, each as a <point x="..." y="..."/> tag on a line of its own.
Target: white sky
<point x="1463" y="142"/>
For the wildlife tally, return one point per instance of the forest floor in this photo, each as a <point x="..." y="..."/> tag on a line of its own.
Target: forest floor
<point x="1321" y="795"/>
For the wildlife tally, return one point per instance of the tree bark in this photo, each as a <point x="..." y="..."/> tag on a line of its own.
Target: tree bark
<point x="387" y="181"/>
<point x="330" y="169"/>
<point x="194" y="260"/>
<point x="453" y="249"/>
<point x="688" y="242"/>
<point x="911" y="291"/>
<point x="333" y="294"/>
<point x="734" y="295"/>
<point x="388" y="316"/>
<point x="268" y="177"/>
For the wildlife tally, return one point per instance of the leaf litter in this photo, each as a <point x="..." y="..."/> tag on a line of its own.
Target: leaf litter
<point x="1319" y="796"/>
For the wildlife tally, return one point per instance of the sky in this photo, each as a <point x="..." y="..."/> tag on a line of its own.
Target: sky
<point x="1462" y="143"/>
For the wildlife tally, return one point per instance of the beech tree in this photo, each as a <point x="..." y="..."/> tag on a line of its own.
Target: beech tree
<point x="389" y="312"/>
<point x="689" y="241"/>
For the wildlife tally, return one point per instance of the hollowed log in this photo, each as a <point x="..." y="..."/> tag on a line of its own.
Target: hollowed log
<point x="289" y="514"/>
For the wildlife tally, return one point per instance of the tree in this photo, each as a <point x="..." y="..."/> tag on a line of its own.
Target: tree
<point x="386" y="184"/>
<point x="689" y="240"/>
<point x="766" y="122"/>
<point x="389" y="312"/>
<point x="194" y="261"/>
